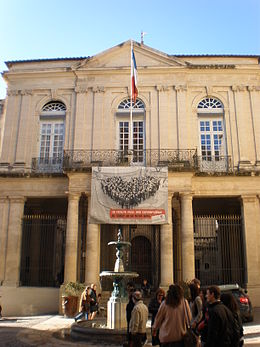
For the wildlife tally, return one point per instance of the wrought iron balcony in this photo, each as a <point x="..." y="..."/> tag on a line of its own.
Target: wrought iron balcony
<point x="177" y="160"/>
<point x="47" y="165"/>
<point x="215" y="164"/>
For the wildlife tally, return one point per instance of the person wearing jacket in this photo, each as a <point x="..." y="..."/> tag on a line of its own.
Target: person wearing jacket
<point x="84" y="304"/>
<point x="220" y="322"/>
<point x="230" y="302"/>
<point x="171" y="318"/>
<point x="139" y="318"/>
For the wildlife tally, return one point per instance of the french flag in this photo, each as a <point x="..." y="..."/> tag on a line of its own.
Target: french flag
<point x="134" y="78"/>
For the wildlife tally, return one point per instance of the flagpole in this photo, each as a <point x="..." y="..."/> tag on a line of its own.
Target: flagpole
<point x="131" y="106"/>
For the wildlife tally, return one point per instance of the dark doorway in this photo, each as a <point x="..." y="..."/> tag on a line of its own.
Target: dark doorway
<point x="141" y="257"/>
<point x="43" y="242"/>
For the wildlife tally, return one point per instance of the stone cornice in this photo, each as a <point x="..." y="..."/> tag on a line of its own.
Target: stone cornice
<point x="211" y="66"/>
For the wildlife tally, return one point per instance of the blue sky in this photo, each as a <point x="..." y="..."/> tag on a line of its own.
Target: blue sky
<point x="34" y="29"/>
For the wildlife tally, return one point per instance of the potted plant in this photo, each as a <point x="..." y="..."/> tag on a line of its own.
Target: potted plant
<point x="71" y="292"/>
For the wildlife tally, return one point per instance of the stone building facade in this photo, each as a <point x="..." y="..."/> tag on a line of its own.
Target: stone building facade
<point x="196" y="116"/>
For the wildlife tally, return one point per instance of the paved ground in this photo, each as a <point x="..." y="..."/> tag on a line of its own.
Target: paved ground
<point x="51" y="330"/>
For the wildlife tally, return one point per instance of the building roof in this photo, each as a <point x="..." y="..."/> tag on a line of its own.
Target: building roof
<point x="175" y="55"/>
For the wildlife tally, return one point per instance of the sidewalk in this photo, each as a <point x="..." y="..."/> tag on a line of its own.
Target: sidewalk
<point x="50" y="330"/>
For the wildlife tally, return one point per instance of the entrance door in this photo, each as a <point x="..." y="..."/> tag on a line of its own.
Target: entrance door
<point x="141" y="258"/>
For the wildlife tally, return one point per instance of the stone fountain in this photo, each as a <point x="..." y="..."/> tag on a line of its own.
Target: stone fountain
<point x="114" y="329"/>
<point x="116" y="306"/>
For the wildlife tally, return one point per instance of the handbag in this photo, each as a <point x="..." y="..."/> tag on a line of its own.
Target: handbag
<point x="189" y="338"/>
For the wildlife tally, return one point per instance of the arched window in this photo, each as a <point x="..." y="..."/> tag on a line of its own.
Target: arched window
<point x="52" y="131"/>
<point x="127" y="103"/>
<point x="54" y="106"/>
<point x="210" y="103"/>
<point x="137" y="140"/>
<point x="212" y="134"/>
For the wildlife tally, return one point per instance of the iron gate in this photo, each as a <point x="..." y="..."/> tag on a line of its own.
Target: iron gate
<point x="219" y="250"/>
<point x="43" y="249"/>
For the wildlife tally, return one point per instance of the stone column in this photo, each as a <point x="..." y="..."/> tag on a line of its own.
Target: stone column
<point x="4" y="205"/>
<point x="14" y="242"/>
<point x="187" y="237"/>
<point x="92" y="252"/>
<point x="251" y="214"/>
<point x="167" y="249"/>
<point x="71" y="253"/>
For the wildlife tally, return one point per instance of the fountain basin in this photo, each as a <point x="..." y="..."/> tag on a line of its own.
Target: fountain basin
<point x="118" y="274"/>
<point x="97" y="331"/>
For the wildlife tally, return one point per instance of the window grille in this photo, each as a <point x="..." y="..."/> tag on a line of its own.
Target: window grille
<point x="54" y="106"/>
<point x="126" y="104"/>
<point x="210" y="103"/>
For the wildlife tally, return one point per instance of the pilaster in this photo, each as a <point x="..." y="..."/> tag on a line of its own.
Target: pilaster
<point x="244" y="127"/>
<point x="23" y="139"/>
<point x="251" y="216"/>
<point x="187" y="237"/>
<point x="4" y="210"/>
<point x="98" y="117"/>
<point x="14" y="241"/>
<point x="183" y="127"/>
<point x="166" y="241"/>
<point x="92" y="252"/>
<point x="71" y="253"/>
<point x="80" y="123"/>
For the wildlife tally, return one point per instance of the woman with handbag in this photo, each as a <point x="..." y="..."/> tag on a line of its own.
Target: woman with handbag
<point x="171" y="318"/>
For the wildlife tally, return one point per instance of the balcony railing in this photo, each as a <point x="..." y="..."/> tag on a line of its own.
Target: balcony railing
<point x="215" y="164"/>
<point x="179" y="160"/>
<point x="47" y="165"/>
<point x="175" y="160"/>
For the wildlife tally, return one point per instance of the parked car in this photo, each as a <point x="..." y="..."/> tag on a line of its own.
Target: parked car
<point x="243" y="301"/>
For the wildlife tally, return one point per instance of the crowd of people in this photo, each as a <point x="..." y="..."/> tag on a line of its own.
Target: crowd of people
<point x="213" y="318"/>
<point x="130" y="193"/>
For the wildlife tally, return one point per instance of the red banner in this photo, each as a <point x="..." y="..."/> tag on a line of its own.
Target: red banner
<point x="136" y="213"/>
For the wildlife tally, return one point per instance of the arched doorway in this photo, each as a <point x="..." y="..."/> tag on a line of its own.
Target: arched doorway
<point x="141" y="258"/>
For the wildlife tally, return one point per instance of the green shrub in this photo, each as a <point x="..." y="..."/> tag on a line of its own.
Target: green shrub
<point x="73" y="288"/>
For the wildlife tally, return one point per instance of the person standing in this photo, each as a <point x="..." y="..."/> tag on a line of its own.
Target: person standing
<point x="230" y="302"/>
<point x="220" y="322"/>
<point x="93" y="302"/>
<point x="84" y="304"/>
<point x="195" y="305"/>
<point x="153" y="308"/>
<point x="139" y="318"/>
<point x="171" y="318"/>
<point x="129" y="308"/>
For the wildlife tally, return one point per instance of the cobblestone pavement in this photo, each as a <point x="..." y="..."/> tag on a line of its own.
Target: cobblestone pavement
<point x="50" y="330"/>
